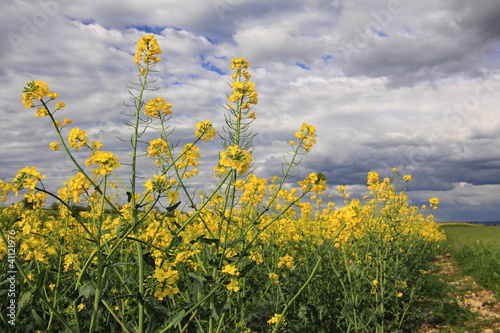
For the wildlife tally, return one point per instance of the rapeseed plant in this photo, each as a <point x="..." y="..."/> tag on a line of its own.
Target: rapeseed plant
<point x="252" y="255"/>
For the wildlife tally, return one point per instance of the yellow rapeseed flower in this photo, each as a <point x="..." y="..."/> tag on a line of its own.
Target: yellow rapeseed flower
<point x="205" y="130"/>
<point x="41" y="112"/>
<point x="407" y="178"/>
<point x="105" y="160"/>
<point x="189" y="156"/>
<point x="169" y="291"/>
<point x="169" y="276"/>
<point x="373" y="178"/>
<point x="434" y="202"/>
<point x="230" y="269"/>
<point x="77" y="138"/>
<point x="315" y="182"/>
<point x="60" y="105"/>
<point x="307" y="135"/>
<point x="286" y="261"/>
<point x="147" y="50"/>
<point x="274" y="319"/>
<point x="37" y="90"/>
<point x="239" y="63"/>
<point x="274" y="277"/>
<point x="54" y="146"/>
<point x="157" y="107"/>
<point x="237" y="159"/>
<point x="158" y="147"/>
<point x="233" y="285"/>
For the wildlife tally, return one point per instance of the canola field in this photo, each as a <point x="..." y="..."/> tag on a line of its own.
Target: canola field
<point x="253" y="255"/>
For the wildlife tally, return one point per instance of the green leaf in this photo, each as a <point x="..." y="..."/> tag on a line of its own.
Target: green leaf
<point x="116" y="264"/>
<point x="173" y="207"/>
<point x="209" y="241"/>
<point x="177" y="319"/>
<point x="38" y="320"/>
<point x="106" y="231"/>
<point x="25" y="297"/>
<point x="86" y="291"/>
<point x="148" y="259"/>
<point x="236" y="241"/>
<point x="215" y="315"/>
<point x="247" y="268"/>
<point x="200" y="278"/>
<point x="176" y="241"/>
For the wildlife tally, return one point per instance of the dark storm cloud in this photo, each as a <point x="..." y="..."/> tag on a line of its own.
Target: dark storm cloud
<point x="461" y="38"/>
<point x="333" y="64"/>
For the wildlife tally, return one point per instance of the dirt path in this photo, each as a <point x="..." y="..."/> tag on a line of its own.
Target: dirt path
<point x="469" y="295"/>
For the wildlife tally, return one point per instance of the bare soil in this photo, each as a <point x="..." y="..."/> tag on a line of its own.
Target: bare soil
<point x="469" y="295"/>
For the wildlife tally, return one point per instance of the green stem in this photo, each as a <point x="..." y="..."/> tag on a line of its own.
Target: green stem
<point x="280" y="320"/>
<point x="66" y="149"/>
<point x="35" y="290"/>
<point x="135" y="138"/>
<point x="122" y="324"/>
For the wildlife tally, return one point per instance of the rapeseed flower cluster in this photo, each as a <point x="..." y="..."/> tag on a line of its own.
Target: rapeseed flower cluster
<point x="37" y="90"/>
<point x="250" y="246"/>
<point x="159" y="148"/>
<point x="105" y="161"/>
<point x="147" y="50"/>
<point x="286" y="261"/>
<point x="77" y="138"/>
<point x="205" y="130"/>
<point x="157" y="108"/>
<point x="159" y="184"/>
<point x="233" y="285"/>
<point x="243" y="94"/>
<point x="236" y="159"/>
<point x="254" y="189"/>
<point x="315" y="183"/>
<point x="27" y="178"/>
<point x="307" y="136"/>
<point x="189" y="157"/>
<point x="74" y="188"/>
<point x="166" y="283"/>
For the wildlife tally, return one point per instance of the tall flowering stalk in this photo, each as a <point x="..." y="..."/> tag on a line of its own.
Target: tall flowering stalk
<point x="146" y="58"/>
<point x="233" y="171"/>
<point x="239" y="260"/>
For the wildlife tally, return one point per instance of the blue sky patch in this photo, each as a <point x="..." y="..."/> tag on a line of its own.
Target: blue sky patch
<point x="208" y="65"/>
<point x="327" y="57"/>
<point x="303" y="66"/>
<point x="156" y="30"/>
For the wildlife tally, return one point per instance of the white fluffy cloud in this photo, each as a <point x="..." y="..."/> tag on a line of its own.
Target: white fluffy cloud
<point x="388" y="83"/>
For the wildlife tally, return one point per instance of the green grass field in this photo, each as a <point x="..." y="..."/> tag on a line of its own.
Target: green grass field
<point x="477" y="251"/>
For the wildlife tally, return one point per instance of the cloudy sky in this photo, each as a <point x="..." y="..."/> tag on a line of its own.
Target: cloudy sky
<point x="388" y="83"/>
